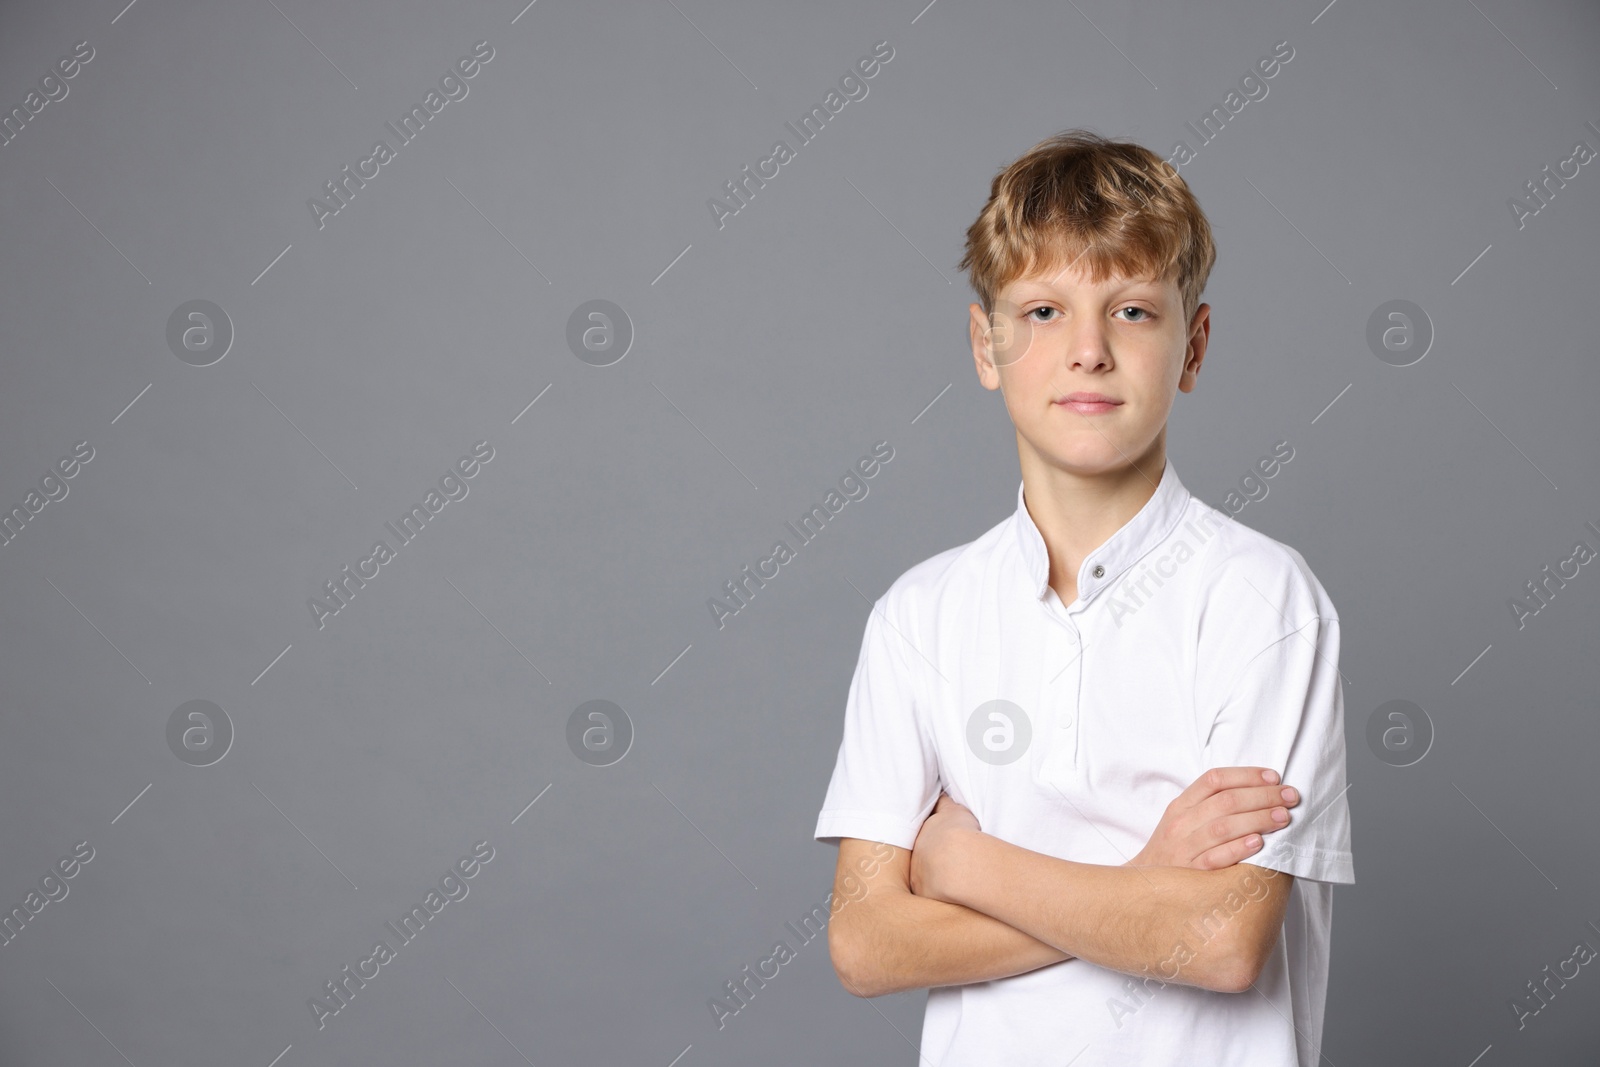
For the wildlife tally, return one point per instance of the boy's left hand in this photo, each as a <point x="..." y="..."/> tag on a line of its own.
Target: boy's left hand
<point x="935" y="853"/>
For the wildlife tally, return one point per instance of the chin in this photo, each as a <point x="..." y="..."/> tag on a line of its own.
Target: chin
<point x="1083" y="444"/>
<point x="1085" y="461"/>
<point x="1094" y="470"/>
<point x="1089" y="454"/>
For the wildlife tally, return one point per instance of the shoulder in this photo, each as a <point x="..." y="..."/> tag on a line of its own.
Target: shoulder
<point x="1245" y="573"/>
<point x="942" y="580"/>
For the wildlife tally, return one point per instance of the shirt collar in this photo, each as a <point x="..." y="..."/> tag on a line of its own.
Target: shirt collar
<point x="1148" y="528"/>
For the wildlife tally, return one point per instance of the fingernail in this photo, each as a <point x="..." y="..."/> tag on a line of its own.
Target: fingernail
<point x="1270" y="776"/>
<point x="1279" y="815"/>
<point x="1252" y="842"/>
<point x="1289" y="794"/>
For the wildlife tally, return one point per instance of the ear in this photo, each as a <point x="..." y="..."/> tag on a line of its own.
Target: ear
<point x="982" y="347"/>
<point x="1195" y="352"/>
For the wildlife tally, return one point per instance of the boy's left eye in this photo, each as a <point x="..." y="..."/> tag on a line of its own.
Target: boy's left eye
<point x="1052" y="314"/>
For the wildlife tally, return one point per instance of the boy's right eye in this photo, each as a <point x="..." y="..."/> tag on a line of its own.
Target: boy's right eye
<point x="1025" y="314"/>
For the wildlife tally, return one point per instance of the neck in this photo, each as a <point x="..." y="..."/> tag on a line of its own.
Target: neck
<point x="1078" y="512"/>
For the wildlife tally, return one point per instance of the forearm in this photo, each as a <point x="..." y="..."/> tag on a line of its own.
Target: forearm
<point x="1174" y="923"/>
<point x="897" y="940"/>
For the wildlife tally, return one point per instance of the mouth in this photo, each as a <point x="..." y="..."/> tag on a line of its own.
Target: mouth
<point x="1088" y="403"/>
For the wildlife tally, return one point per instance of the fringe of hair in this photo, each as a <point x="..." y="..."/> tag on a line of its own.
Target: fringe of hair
<point x="1113" y="205"/>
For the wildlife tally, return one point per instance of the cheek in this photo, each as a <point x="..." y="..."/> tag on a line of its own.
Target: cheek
<point x="1164" y="378"/>
<point x="1159" y="403"/>
<point x="1020" y="353"/>
<point x="1013" y="376"/>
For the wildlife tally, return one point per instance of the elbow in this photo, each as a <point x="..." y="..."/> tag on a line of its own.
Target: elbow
<point x="1236" y="968"/>
<point x="1236" y="976"/>
<point x="854" y="974"/>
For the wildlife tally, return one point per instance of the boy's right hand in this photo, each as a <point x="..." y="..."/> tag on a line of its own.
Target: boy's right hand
<point x="1218" y="821"/>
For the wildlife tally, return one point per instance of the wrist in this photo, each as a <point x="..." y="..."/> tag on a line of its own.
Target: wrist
<point x="963" y="866"/>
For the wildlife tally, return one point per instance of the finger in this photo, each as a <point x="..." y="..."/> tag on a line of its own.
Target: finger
<point x="1218" y="779"/>
<point x="1228" y="854"/>
<point x="1235" y="827"/>
<point x="1245" y="798"/>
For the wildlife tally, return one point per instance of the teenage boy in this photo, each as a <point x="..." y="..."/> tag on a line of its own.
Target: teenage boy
<point x="1076" y="730"/>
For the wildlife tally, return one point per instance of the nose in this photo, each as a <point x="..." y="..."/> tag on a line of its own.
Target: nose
<point x="1087" y="347"/>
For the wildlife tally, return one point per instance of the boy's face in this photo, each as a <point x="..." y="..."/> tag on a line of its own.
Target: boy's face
<point x="1055" y="334"/>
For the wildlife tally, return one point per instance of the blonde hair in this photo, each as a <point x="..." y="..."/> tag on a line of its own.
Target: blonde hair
<point x="1115" y="204"/>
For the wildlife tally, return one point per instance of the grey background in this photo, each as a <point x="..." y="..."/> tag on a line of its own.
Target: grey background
<point x="827" y="315"/>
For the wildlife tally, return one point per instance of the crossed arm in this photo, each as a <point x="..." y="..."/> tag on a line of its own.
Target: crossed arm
<point x="963" y="906"/>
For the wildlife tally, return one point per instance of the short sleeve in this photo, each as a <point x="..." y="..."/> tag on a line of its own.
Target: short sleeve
<point x="886" y="777"/>
<point x="1284" y="709"/>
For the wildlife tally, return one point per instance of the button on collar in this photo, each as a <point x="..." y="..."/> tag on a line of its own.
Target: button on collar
<point x="1139" y="535"/>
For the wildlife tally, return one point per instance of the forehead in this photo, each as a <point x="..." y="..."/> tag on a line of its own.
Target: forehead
<point x="1062" y="279"/>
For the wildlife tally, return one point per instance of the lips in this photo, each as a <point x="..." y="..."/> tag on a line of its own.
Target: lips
<point x="1089" y="403"/>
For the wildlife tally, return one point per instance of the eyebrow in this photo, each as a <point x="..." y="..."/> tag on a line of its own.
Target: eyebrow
<point x="1032" y="290"/>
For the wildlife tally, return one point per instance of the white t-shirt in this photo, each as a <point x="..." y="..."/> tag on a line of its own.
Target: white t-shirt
<point x="1194" y="642"/>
